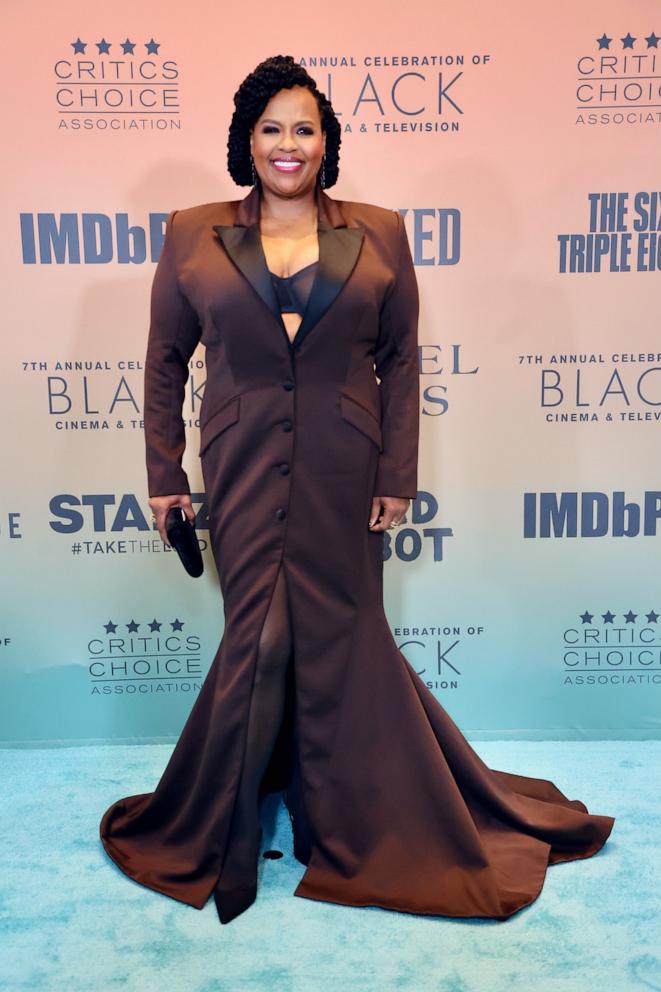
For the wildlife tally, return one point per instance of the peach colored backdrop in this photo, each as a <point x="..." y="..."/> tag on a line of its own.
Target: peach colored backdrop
<point x="524" y="586"/>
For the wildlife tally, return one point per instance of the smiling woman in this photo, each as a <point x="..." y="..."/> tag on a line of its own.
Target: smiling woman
<point x="287" y="141"/>
<point x="309" y="448"/>
<point x="287" y="146"/>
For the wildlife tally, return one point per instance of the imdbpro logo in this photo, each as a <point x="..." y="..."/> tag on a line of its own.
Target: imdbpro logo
<point x="90" y="239"/>
<point x="590" y="514"/>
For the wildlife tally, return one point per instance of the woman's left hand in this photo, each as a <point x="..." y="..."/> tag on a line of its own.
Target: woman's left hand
<point x="389" y="509"/>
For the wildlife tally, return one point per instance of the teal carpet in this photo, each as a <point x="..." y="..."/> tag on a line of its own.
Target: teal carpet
<point x="70" y="921"/>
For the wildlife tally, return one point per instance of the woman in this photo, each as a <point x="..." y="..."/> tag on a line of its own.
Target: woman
<point x="303" y="302"/>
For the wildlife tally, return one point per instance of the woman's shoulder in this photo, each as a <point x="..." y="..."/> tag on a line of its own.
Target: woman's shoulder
<point x="382" y="225"/>
<point x="369" y="214"/>
<point x="216" y="212"/>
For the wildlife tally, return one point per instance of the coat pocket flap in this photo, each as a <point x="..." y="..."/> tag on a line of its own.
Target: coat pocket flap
<point x="218" y="421"/>
<point x="361" y="418"/>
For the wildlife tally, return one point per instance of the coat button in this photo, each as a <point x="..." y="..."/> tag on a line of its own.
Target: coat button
<point x="286" y="424"/>
<point x="288" y="385"/>
<point x="280" y="513"/>
<point x="284" y="468"/>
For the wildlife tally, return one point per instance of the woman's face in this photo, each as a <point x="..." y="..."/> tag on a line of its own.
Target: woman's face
<point x="288" y="131"/>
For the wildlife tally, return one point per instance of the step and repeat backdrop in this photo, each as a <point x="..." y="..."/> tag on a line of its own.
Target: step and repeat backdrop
<point x="523" y="149"/>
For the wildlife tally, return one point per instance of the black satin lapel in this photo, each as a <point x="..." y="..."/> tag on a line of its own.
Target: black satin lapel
<point x="244" y="247"/>
<point x="339" y="248"/>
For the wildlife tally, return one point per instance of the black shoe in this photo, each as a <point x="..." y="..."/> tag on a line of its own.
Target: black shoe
<point x="234" y="902"/>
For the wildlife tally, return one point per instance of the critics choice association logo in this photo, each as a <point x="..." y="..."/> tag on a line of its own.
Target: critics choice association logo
<point x="617" y="80"/>
<point x="612" y="649"/>
<point x="117" y="85"/>
<point x="144" y="657"/>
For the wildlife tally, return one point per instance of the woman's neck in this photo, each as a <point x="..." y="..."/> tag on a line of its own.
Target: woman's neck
<point x="296" y="213"/>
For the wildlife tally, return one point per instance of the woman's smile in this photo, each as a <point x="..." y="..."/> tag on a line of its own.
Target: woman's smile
<point x="287" y="165"/>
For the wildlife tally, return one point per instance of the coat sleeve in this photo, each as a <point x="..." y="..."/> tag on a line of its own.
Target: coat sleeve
<point x="174" y="333"/>
<point x="397" y="366"/>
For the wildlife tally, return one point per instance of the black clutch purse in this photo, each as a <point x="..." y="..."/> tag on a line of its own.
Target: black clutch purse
<point x="183" y="538"/>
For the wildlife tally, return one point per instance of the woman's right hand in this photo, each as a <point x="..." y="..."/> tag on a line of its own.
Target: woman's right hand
<point x="160" y="506"/>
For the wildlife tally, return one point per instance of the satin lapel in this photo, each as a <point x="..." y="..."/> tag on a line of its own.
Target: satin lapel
<point x="338" y="252"/>
<point x="244" y="247"/>
<point x="339" y="247"/>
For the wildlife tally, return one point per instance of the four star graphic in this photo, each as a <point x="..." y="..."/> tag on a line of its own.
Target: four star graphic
<point x="608" y="616"/>
<point x="126" y="46"/>
<point x="133" y="625"/>
<point x="628" y="40"/>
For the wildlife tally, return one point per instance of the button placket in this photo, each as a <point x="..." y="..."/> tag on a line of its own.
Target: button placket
<point x="287" y="425"/>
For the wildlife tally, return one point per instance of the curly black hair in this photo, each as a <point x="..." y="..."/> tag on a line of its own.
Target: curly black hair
<point x="268" y="78"/>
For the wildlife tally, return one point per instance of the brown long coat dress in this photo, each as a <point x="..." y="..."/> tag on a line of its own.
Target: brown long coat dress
<point x="390" y="805"/>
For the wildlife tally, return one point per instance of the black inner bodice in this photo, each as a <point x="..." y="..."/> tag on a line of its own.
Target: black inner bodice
<point x="293" y="291"/>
